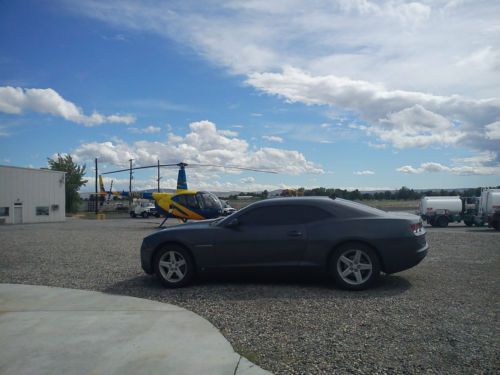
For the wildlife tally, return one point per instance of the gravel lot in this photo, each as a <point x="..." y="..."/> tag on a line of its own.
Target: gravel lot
<point x="439" y="317"/>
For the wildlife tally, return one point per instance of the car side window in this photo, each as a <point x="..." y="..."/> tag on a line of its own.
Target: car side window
<point x="311" y="214"/>
<point x="283" y="215"/>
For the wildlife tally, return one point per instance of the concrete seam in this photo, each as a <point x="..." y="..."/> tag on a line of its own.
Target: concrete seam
<point x="236" y="369"/>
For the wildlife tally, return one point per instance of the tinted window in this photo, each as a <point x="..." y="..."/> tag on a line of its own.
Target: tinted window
<point x="42" y="211"/>
<point x="4" y="211"/>
<point x="283" y="215"/>
<point x="208" y="201"/>
<point x="187" y="200"/>
<point x="181" y="199"/>
<point x="311" y="213"/>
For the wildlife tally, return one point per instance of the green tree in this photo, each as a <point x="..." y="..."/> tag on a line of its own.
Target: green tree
<point x="74" y="178"/>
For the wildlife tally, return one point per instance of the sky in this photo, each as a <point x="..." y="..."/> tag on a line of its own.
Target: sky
<point x="346" y="94"/>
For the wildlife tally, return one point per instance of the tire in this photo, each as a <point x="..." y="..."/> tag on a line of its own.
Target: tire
<point x="468" y="223"/>
<point x="442" y="221"/>
<point x="182" y="272"/>
<point x="133" y="215"/>
<point x="344" y="260"/>
<point x="144" y="214"/>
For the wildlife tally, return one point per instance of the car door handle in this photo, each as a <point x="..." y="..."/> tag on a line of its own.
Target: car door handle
<point x="294" y="233"/>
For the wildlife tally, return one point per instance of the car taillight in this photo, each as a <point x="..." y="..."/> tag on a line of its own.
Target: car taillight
<point x="416" y="227"/>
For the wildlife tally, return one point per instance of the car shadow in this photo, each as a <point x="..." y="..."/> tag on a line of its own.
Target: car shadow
<point x="247" y="287"/>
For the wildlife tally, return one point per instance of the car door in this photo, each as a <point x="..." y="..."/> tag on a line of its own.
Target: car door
<point x="268" y="236"/>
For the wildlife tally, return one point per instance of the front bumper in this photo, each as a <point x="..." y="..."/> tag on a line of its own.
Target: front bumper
<point x="146" y="255"/>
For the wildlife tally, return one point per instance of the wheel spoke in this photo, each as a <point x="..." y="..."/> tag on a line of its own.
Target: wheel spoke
<point x="165" y="264"/>
<point x="172" y="256"/>
<point x="345" y="260"/>
<point x="357" y="256"/>
<point x="179" y="274"/>
<point x="169" y="274"/>
<point x="181" y="262"/>
<point x="358" y="276"/>
<point x="363" y="266"/>
<point x="346" y="272"/>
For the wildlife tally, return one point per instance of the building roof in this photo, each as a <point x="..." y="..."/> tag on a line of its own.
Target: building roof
<point x="31" y="169"/>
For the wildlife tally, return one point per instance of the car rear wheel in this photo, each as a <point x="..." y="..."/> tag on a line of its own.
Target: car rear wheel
<point x="355" y="266"/>
<point x="144" y="214"/>
<point x="174" y="266"/>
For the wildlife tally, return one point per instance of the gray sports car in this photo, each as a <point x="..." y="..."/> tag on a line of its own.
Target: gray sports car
<point x="350" y="241"/>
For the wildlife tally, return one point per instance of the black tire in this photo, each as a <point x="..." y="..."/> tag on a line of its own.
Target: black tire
<point x="468" y="223"/>
<point x="338" y="267"/>
<point x="144" y="214"/>
<point x="442" y="221"/>
<point x="133" y="215"/>
<point x="162" y="272"/>
<point x="157" y="215"/>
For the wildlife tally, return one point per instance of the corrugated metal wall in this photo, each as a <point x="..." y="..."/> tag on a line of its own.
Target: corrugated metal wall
<point x="32" y="188"/>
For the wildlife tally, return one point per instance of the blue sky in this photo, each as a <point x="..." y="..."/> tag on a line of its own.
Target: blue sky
<point x="348" y="94"/>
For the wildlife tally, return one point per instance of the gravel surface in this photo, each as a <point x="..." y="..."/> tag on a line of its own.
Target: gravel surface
<point x="439" y="317"/>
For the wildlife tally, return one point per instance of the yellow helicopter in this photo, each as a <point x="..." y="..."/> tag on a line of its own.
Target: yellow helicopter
<point x="183" y="204"/>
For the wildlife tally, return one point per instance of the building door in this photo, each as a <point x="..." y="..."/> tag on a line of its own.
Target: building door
<point x="18" y="214"/>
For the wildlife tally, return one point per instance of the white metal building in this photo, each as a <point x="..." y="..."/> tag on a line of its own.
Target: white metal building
<point x="31" y="195"/>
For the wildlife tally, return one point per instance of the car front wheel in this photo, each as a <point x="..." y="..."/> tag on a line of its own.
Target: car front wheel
<point x="174" y="266"/>
<point x="355" y="266"/>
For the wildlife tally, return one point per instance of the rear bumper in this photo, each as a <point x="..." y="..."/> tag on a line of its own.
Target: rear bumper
<point x="404" y="254"/>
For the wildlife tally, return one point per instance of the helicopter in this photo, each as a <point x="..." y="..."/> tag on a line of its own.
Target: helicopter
<point x="182" y="204"/>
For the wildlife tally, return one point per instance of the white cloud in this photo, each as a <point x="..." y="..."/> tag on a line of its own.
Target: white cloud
<point x="409" y="45"/>
<point x="147" y="130"/>
<point x="273" y="138"/>
<point x="378" y="146"/>
<point x="482" y="164"/>
<point x="493" y="130"/>
<point x="378" y="59"/>
<point x="16" y="100"/>
<point x="3" y="131"/>
<point x="247" y="180"/>
<point x="401" y="118"/>
<point x="228" y="133"/>
<point x="364" y="173"/>
<point x="203" y="145"/>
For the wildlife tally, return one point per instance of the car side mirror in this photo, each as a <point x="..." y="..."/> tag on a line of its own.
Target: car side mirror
<point x="233" y="223"/>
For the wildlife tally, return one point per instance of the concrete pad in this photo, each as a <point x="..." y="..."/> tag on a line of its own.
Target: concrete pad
<point x="45" y="330"/>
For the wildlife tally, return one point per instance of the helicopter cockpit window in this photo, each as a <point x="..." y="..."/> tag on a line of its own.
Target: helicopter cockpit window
<point x="191" y="201"/>
<point x="208" y="201"/>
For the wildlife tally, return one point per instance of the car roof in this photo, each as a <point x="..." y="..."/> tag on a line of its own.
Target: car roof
<point x="323" y="202"/>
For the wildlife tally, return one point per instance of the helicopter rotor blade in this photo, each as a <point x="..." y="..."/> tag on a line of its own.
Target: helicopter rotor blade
<point x="145" y="167"/>
<point x="233" y="167"/>
<point x="182" y="164"/>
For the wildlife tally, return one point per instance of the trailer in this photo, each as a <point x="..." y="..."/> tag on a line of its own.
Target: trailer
<point x="440" y="211"/>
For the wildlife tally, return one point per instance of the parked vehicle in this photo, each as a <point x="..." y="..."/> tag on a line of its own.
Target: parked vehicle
<point x="227" y="209"/>
<point x="489" y="208"/>
<point x="351" y="242"/>
<point x="144" y="209"/>
<point x="440" y="211"/>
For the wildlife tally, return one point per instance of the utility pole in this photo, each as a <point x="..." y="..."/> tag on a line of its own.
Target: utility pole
<point x="130" y="187"/>
<point x="96" y="201"/>
<point x="158" y="176"/>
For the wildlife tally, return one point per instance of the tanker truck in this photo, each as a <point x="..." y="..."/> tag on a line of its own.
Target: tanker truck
<point x="440" y="211"/>
<point x="489" y="208"/>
